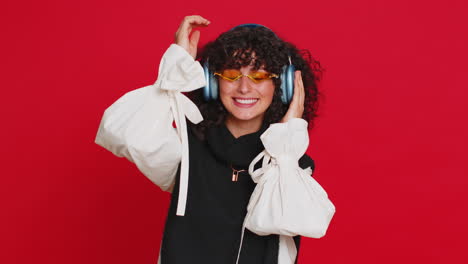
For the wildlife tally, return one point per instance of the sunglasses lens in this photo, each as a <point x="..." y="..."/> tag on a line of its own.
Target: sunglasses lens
<point x="260" y="76"/>
<point x="234" y="75"/>
<point x="231" y="74"/>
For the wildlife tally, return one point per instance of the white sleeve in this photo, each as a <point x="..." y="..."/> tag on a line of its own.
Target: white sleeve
<point x="287" y="200"/>
<point x="138" y="126"/>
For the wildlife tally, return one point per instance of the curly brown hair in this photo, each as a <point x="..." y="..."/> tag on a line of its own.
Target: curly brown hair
<point x="237" y="48"/>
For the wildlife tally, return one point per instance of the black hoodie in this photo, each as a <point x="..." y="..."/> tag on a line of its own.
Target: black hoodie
<point x="210" y="230"/>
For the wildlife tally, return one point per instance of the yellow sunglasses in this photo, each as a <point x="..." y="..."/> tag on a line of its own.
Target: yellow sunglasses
<point x="256" y="76"/>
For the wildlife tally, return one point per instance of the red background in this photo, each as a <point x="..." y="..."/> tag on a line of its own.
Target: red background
<point x="390" y="144"/>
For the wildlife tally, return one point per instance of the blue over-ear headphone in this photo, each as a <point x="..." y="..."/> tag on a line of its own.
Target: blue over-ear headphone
<point x="210" y="91"/>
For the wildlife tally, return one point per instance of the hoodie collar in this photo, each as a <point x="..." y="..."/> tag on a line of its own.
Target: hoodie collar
<point x="238" y="152"/>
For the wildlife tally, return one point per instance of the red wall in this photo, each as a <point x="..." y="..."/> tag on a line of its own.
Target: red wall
<point x="390" y="144"/>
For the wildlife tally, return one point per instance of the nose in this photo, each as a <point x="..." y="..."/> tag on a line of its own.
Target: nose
<point x="244" y="85"/>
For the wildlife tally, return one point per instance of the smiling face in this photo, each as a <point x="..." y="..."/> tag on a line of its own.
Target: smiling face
<point x="245" y="100"/>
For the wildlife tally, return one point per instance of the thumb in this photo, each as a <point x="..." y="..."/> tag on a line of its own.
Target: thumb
<point x="194" y="38"/>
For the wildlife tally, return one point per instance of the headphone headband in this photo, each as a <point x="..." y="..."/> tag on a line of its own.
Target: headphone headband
<point x="253" y="25"/>
<point x="250" y="25"/>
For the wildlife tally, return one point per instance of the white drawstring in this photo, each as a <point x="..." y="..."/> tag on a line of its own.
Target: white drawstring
<point x="181" y="108"/>
<point x="184" y="166"/>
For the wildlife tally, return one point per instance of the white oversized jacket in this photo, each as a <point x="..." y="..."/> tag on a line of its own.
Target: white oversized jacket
<point x="138" y="126"/>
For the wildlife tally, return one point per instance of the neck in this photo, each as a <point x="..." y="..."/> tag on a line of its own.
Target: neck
<point x="239" y="128"/>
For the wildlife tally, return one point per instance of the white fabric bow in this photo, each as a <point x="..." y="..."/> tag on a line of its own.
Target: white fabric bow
<point x="177" y="76"/>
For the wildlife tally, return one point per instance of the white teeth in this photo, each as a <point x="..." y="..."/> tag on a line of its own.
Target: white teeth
<point x="246" y="101"/>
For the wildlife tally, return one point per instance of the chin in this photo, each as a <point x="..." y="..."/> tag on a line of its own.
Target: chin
<point x="246" y="116"/>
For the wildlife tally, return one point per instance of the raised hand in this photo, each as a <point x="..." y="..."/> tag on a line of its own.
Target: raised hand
<point x="296" y="108"/>
<point x="183" y="37"/>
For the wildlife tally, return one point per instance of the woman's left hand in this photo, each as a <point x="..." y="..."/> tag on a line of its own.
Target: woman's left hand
<point x="296" y="107"/>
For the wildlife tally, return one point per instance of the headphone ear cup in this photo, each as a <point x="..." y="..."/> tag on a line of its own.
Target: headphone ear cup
<point x="213" y="87"/>
<point x="206" y="89"/>
<point x="283" y="78"/>
<point x="210" y="91"/>
<point x="290" y="70"/>
<point x="287" y="83"/>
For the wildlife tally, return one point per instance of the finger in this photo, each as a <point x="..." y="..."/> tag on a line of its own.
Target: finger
<point x="194" y="38"/>
<point x="200" y="20"/>
<point x="302" y="89"/>
<point x="297" y="91"/>
<point x="191" y="22"/>
<point x="302" y="100"/>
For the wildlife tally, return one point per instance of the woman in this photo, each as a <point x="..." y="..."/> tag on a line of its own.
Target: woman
<point x="205" y="222"/>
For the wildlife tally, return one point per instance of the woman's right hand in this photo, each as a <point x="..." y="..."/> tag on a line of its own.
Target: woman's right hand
<point x="183" y="37"/>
